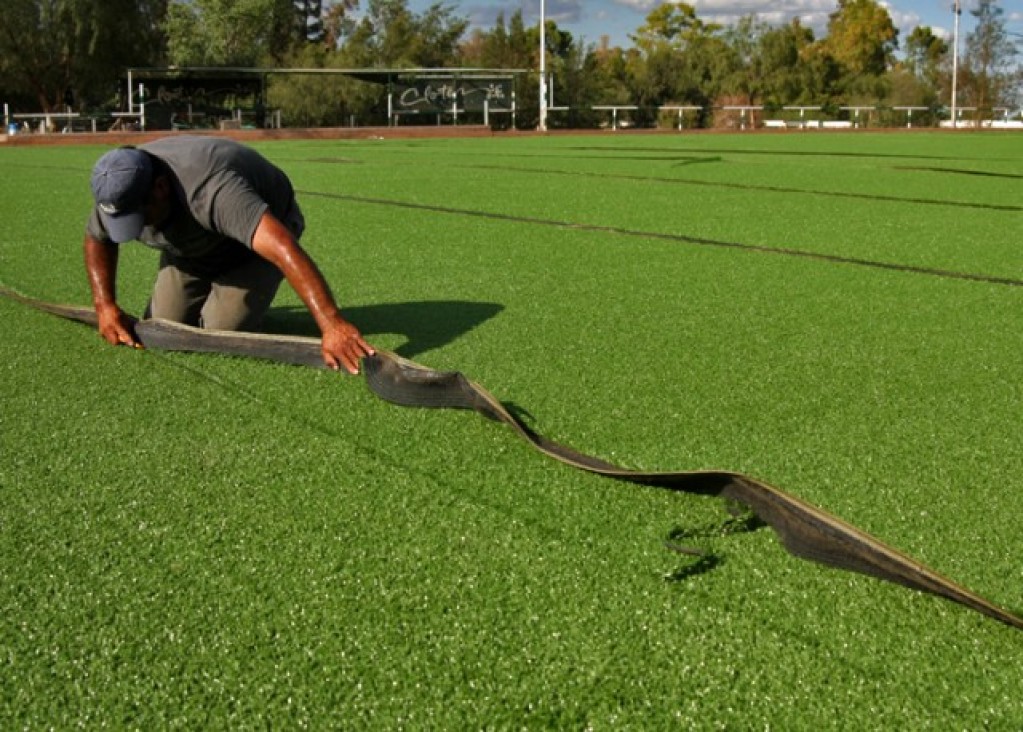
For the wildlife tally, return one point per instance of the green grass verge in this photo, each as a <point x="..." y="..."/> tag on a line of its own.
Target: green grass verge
<point x="198" y="541"/>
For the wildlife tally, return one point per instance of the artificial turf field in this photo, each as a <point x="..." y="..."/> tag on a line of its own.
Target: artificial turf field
<point x="204" y="542"/>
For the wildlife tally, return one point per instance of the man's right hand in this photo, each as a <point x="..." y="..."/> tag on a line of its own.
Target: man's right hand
<point x="117" y="327"/>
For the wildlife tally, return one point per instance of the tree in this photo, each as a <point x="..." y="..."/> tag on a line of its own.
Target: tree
<point x="507" y="46"/>
<point x="927" y="57"/>
<point x="861" y="37"/>
<point x="989" y="55"/>
<point x="788" y="76"/>
<point x="512" y="45"/>
<point x="672" y="23"/>
<point x="337" y="22"/>
<point x="572" y="72"/>
<point x="924" y="51"/>
<point x="746" y="76"/>
<point x="679" y="59"/>
<point x="606" y="76"/>
<point x="228" y="32"/>
<point x="311" y="100"/>
<point x="862" y="40"/>
<point x="56" y="51"/>
<point x="392" y="36"/>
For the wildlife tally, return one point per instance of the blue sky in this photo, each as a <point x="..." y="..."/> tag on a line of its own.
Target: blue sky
<point x="592" y="19"/>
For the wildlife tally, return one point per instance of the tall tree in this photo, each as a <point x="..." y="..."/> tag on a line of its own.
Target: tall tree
<point x="926" y="54"/>
<point x="788" y="76"/>
<point x="922" y="78"/>
<point x="510" y="47"/>
<point x="228" y="32"/>
<point x="862" y="40"/>
<point x="390" y="35"/>
<point x="861" y="36"/>
<point x="338" y="22"/>
<point x="679" y="59"/>
<point x="747" y="75"/>
<point x="674" y="23"/>
<point x="989" y="56"/>
<point x="49" y="48"/>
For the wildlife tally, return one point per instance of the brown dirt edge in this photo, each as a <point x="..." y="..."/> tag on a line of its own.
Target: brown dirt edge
<point x="398" y="133"/>
<point x="303" y="133"/>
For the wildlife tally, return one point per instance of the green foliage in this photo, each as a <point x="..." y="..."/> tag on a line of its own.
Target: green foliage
<point x="988" y="61"/>
<point x="310" y="100"/>
<point x="392" y="36"/>
<point x="48" y="48"/>
<point x="862" y="37"/>
<point x="676" y="24"/>
<point x="925" y="52"/>
<point x="222" y="32"/>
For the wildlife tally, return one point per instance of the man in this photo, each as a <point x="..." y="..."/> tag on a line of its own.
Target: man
<point x="227" y="225"/>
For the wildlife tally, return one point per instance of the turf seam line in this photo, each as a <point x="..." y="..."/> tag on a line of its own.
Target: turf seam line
<point x="771" y="153"/>
<point x="748" y="187"/>
<point x="785" y="251"/>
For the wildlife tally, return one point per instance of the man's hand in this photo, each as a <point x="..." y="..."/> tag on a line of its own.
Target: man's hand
<point x="113" y="323"/>
<point x="343" y="346"/>
<point x="116" y="327"/>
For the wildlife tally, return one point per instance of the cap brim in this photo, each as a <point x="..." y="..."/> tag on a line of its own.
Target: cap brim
<point x="123" y="227"/>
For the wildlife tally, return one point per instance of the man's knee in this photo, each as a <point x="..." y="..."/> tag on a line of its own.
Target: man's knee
<point x="240" y="299"/>
<point x="177" y="296"/>
<point x="234" y="308"/>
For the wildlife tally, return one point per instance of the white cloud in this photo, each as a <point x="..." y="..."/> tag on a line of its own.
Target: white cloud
<point x="640" y="5"/>
<point x="562" y="12"/>
<point x="812" y="13"/>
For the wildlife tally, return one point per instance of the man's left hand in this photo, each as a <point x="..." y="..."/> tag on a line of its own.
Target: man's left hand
<point x="344" y="347"/>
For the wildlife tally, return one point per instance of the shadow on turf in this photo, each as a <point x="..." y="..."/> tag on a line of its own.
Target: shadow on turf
<point x="426" y="324"/>
<point x="700" y="565"/>
<point x="706" y="561"/>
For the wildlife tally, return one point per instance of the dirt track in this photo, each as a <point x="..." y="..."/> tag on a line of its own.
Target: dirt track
<point x="398" y="133"/>
<point x="310" y="133"/>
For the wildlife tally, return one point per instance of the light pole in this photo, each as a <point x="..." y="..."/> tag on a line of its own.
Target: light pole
<point x="542" y="126"/>
<point x="955" y="62"/>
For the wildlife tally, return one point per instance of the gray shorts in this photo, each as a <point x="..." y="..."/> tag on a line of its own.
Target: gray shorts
<point x="233" y="292"/>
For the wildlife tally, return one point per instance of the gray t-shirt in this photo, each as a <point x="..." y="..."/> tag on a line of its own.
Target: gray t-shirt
<point x="221" y="190"/>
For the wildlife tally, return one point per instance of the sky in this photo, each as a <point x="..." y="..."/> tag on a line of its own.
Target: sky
<point x="617" y="19"/>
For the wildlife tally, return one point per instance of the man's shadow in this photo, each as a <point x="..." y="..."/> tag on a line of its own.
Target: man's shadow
<point x="426" y="324"/>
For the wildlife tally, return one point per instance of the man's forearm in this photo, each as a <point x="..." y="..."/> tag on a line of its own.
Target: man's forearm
<point x="306" y="279"/>
<point x="101" y="269"/>
<point x="274" y="242"/>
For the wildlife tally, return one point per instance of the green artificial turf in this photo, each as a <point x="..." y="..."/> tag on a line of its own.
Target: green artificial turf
<point x="202" y="542"/>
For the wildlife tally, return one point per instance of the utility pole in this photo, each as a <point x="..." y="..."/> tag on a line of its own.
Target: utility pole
<point x="542" y="126"/>
<point x="955" y="63"/>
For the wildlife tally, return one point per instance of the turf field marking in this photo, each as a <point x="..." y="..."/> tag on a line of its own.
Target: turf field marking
<point x="749" y="187"/>
<point x="833" y="258"/>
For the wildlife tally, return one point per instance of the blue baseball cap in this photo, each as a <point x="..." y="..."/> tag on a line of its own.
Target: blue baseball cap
<point x="121" y="182"/>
